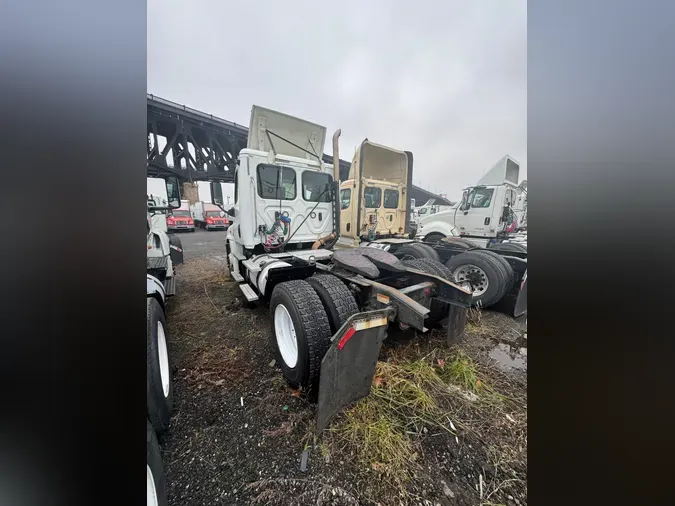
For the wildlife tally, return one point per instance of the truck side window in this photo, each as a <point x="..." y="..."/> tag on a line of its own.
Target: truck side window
<point x="345" y="198"/>
<point x="390" y="199"/>
<point x="481" y="197"/>
<point x="314" y="186"/>
<point x="269" y="186"/>
<point x="373" y="197"/>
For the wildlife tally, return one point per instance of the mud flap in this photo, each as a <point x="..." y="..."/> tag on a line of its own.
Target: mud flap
<point x="176" y="250"/>
<point x="348" y="367"/>
<point x="521" y="301"/>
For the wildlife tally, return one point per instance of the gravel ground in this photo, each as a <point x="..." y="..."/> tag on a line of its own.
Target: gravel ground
<point x="238" y="432"/>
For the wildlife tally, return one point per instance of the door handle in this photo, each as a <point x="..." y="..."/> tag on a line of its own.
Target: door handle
<point x="487" y="221"/>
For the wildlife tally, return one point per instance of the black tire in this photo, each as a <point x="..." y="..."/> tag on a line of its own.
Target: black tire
<point x="508" y="246"/>
<point x="438" y="309"/>
<point x="497" y="281"/>
<point x="433" y="238"/>
<point x="156" y="468"/>
<point x="416" y="250"/>
<point x="312" y="331"/>
<point x="506" y="266"/>
<point x="459" y="242"/>
<point x="160" y="405"/>
<point x="336" y="298"/>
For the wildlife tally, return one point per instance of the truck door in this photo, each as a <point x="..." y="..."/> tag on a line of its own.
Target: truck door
<point x="476" y="214"/>
<point x="372" y="219"/>
<point x="348" y="208"/>
<point x="394" y="215"/>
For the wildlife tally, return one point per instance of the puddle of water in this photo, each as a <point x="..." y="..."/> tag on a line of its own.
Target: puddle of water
<point x="509" y="357"/>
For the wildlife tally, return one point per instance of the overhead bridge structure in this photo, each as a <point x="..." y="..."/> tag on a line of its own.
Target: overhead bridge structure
<point x="196" y="146"/>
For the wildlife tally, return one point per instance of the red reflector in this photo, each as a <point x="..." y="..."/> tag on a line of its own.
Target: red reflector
<point x="348" y="335"/>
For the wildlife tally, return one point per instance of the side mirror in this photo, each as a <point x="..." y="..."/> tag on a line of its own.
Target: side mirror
<point x="172" y="192"/>
<point x="217" y="194"/>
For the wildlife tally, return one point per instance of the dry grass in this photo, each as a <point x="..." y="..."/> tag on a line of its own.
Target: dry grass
<point x="198" y="318"/>
<point x="444" y="391"/>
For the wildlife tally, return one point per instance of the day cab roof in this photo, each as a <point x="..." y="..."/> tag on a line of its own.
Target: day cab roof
<point x="285" y="135"/>
<point x="375" y="161"/>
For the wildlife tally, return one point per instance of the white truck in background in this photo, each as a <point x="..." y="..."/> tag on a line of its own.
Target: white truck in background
<point x="493" y="211"/>
<point x="430" y="207"/>
<point x="163" y="253"/>
<point x="209" y="216"/>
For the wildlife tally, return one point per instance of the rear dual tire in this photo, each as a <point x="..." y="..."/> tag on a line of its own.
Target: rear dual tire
<point x="305" y="316"/>
<point x="300" y="332"/>
<point x="490" y="276"/>
<point x="508" y="246"/>
<point x="416" y="250"/>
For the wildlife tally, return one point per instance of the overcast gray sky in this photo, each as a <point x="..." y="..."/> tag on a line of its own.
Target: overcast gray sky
<point x="443" y="79"/>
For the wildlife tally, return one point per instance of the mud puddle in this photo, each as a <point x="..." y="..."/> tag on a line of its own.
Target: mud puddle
<point x="510" y="357"/>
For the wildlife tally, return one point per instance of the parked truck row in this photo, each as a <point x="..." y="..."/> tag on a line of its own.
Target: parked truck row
<point x="164" y="253"/>
<point x="209" y="216"/>
<point x="335" y="260"/>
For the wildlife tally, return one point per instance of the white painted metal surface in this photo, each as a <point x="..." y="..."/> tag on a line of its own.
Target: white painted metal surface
<point x="305" y="134"/>
<point x="264" y="274"/>
<point x="505" y="170"/>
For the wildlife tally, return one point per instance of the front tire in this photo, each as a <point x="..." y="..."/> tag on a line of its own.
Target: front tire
<point x="300" y="332"/>
<point x="155" y="480"/>
<point x="159" y="381"/>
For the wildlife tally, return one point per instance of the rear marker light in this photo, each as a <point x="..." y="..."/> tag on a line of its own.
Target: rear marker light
<point x="361" y="325"/>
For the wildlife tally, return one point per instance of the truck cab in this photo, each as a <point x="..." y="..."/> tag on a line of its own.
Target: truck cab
<point x="486" y="212"/>
<point x="180" y="219"/>
<point x="373" y="200"/>
<point x="284" y="192"/>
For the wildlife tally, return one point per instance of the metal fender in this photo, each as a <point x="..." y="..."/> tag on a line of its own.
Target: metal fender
<point x="155" y="286"/>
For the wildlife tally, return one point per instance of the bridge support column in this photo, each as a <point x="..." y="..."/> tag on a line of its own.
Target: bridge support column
<point x="190" y="191"/>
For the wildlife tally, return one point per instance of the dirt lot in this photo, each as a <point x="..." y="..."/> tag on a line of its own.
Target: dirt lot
<point x="442" y="426"/>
